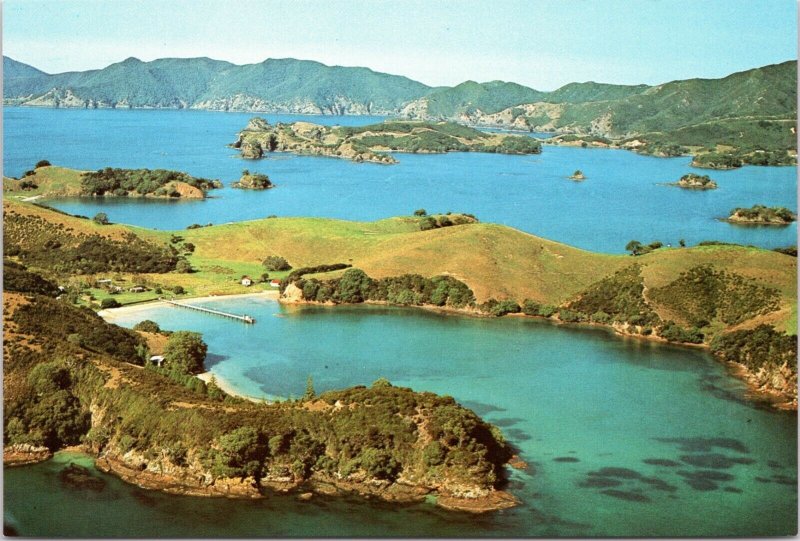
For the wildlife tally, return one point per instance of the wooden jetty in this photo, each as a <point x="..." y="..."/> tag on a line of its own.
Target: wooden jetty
<point x="244" y="318"/>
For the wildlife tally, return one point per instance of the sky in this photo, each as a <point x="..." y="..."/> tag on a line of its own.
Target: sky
<point x="543" y="44"/>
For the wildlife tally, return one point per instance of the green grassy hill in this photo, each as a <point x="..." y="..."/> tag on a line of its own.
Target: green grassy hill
<point x="493" y="260"/>
<point x="50" y="180"/>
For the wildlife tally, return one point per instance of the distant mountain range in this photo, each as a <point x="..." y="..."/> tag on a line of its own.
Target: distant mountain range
<point x="761" y="101"/>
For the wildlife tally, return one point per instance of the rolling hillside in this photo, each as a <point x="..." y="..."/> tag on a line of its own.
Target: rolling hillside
<point x="739" y="301"/>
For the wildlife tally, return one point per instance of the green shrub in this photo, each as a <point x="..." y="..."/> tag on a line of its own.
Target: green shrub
<point x="109" y="303"/>
<point x="675" y="333"/>
<point x="276" y="263"/>
<point x="185" y="352"/>
<point x="501" y="308"/>
<point x="142" y="181"/>
<point x="147" y="326"/>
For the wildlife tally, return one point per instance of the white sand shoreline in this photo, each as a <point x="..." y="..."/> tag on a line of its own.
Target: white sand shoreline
<point x="112" y="314"/>
<point x="226" y="386"/>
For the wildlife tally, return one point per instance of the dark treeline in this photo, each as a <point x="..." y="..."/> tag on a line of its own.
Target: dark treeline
<point x="121" y="182"/>
<point x="355" y="286"/>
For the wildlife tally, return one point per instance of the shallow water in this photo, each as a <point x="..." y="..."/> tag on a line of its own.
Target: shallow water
<point x="623" y="198"/>
<point x="624" y="438"/>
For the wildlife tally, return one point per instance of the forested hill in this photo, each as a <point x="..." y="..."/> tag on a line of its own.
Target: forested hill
<point x="745" y="113"/>
<point x="302" y="85"/>
<point x="202" y="83"/>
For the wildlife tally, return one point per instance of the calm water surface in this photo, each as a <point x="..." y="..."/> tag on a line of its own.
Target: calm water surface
<point x="698" y="460"/>
<point x="623" y="198"/>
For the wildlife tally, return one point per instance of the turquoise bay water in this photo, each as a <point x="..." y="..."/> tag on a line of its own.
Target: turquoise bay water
<point x="624" y="197"/>
<point x="697" y="459"/>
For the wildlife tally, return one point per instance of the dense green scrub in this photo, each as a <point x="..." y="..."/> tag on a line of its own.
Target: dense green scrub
<point x="121" y="182"/>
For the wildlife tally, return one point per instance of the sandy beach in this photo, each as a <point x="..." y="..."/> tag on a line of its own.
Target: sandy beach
<point x="227" y="387"/>
<point x="113" y="314"/>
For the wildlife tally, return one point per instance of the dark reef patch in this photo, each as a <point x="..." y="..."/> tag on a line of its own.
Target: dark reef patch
<point x="482" y="408"/>
<point x="214" y="359"/>
<point x="515" y="434"/>
<point x="75" y="476"/>
<point x="706" y="445"/>
<point x="625" y="495"/>
<point x="566" y="459"/>
<point x="505" y="422"/>
<point x="661" y="462"/>
<point x="622" y="473"/>
<point x="658" y="484"/>
<point x="715" y="460"/>
<point x="599" y="482"/>
<point x="708" y="475"/>
<point x="703" y="485"/>
<point x="784" y="480"/>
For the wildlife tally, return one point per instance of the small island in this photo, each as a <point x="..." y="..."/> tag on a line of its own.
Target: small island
<point x="691" y="181"/>
<point x="253" y="181"/>
<point x="52" y="181"/>
<point x="761" y="215"/>
<point x="577" y="176"/>
<point x="372" y="143"/>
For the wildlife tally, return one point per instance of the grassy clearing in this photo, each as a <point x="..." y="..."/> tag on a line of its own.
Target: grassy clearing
<point x="493" y="260"/>
<point x="51" y="180"/>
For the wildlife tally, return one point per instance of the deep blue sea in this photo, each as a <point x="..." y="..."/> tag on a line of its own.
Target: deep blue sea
<point x="623" y="198"/>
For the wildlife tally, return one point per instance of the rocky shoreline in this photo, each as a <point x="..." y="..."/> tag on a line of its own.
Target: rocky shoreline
<point x="24" y="454"/>
<point x="184" y="483"/>
<point x="135" y="470"/>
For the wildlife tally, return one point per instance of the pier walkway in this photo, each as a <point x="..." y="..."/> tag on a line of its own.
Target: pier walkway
<point x="244" y="318"/>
